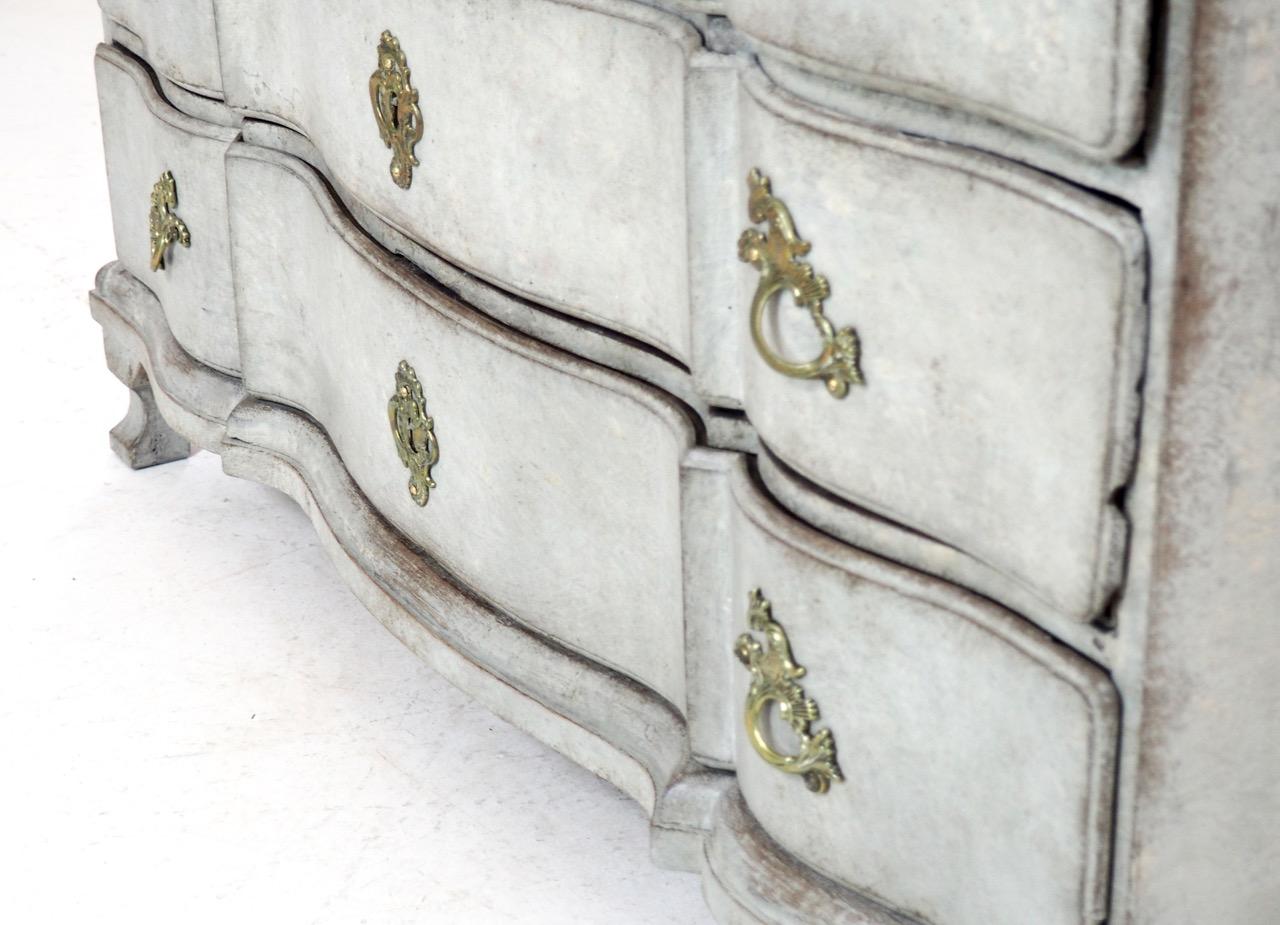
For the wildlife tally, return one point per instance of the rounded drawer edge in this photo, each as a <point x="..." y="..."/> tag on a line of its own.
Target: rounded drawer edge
<point x="166" y="175"/>
<point x="969" y="747"/>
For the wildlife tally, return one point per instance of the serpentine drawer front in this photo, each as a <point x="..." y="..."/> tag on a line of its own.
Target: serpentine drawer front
<point x="145" y="138"/>
<point x="845" y="427"/>
<point x="1000" y="322"/>
<point x="569" y="190"/>
<point x="977" y="755"/>
<point x="550" y="473"/>
<point x="1074" y="72"/>
<point x="178" y="39"/>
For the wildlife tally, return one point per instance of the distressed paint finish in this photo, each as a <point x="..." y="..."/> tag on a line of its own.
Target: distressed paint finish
<point x="1072" y="72"/>
<point x="557" y="487"/>
<point x="144" y="136"/>
<point x="143" y="438"/>
<point x="178" y="39"/>
<point x="1002" y="322"/>
<point x="603" y="721"/>
<point x="1194" y="651"/>
<point x="974" y="749"/>
<point x="570" y="191"/>
<point x="1207" y="838"/>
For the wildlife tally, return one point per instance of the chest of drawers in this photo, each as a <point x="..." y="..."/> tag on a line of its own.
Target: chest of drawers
<point x="851" y="430"/>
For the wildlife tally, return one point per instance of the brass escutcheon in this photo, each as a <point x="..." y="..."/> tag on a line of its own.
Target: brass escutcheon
<point x="775" y="254"/>
<point x="773" y="680"/>
<point x="166" y="228"/>
<point x="414" y="432"/>
<point x="395" y="106"/>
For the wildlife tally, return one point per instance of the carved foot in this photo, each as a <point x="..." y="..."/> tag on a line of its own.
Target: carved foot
<point x="143" y="438"/>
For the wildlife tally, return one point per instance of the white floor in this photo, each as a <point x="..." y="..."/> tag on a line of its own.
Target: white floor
<point x="198" y="723"/>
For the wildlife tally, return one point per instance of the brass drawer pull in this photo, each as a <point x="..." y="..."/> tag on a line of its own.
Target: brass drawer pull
<point x="166" y="227"/>
<point x="773" y="680"/>
<point x="774" y="253"/>
<point x="395" y="106"/>
<point x="414" y="432"/>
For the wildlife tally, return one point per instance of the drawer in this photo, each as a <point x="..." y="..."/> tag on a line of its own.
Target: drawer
<point x="977" y="755"/>
<point x="1001" y="322"/>
<point x="556" y="484"/>
<point x="144" y="138"/>
<point x="552" y="151"/>
<point x="1072" y="72"/>
<point x="179" y="39"/>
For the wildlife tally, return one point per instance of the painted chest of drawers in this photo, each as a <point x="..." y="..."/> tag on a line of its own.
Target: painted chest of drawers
<point x="851" y="429"/>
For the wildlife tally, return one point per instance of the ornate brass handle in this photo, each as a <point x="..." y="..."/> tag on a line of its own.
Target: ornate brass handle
<point x="773" y="680"/>
<point x="395" y="107"/>
<point x="414" y="432"/>
<point x="166" y="228"/>
<point x="774" y="253"/>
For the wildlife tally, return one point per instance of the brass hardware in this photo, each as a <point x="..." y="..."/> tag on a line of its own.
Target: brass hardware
<point x="414" y="432"/>
<point x="395" y="106"/>
<point x="774" y="253"/>
<point x="773" y="680"/>
<point x="166" y="227"/>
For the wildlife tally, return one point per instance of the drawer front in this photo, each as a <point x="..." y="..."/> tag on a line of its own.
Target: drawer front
<point x="1001" y="323"/>
<point x="977" y="755"/>
<point x="179" y="39"/>
<point x="555" y="492"/>
<point x="551" y="158"/>
<point x="1073" y="72"/>
<point x="144" y="138"/>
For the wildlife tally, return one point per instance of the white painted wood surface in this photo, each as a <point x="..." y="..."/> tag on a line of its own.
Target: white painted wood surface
<point x="143" y="136"/>
<point x="1001" y="318"/>
<point x="570" y="189"/>
<point x="747" y="879"/>
<point x="978" y="754"/>
<point x="714" y="188"/>
<point x="868" y="531"/>
<point x="709" y="604"/>
<point x="448" y="762"/>
<point x="1205" y="755"/>
<point x="179" y="39"/>
<point x="558" y="483"/>
<point x="1074" y="72"/>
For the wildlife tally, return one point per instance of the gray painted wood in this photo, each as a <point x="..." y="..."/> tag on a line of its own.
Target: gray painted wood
<point x="710" y="611"/>
<point x="143" y="438"/>
<point x="179" y="39"/>
<point x="863" y="529"/>
<point x="1002" y="322"/>
<point x="975" y="749"/>
<point x="621" y="731"/>
<point x="1205" y="755"/>
<point x="749" y="879"/>
<point x="1073" y="72"/>
<point x="193" y="399"/>
<point x="143" y="136"/>
<point x="594" y="343"/>
<point x="558" y="484"/>
<point x="570" y="191"/>
<point x="1189" y="652"/>
<point x="714" y="188"/>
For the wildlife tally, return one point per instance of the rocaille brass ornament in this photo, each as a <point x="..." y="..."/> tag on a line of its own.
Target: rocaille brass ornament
<point x="775" y="254"/>
<point x="166" y="227"/>
<point x="773" y="680"/>
<point x="395" y="106"/>
<point x="414" y="432"/>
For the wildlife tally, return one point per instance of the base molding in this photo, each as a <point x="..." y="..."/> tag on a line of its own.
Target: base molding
<point x="600" y="719"/>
